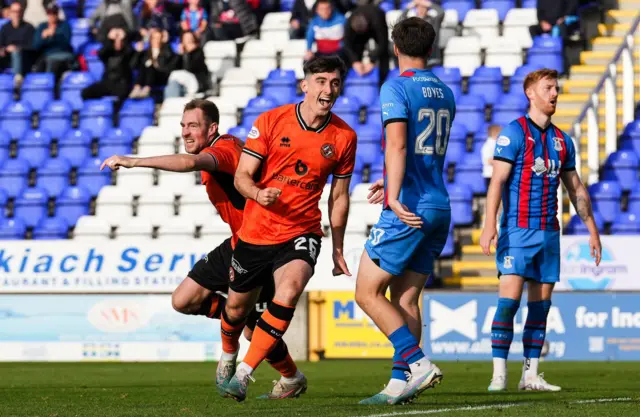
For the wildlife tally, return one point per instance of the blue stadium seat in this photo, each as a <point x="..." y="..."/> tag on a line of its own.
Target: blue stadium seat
<point x="368" y="153"/>
<point x="356" y="179"/>
<point x="469" y="172"/>
<point x="31" y="206"/>
<point x="577" y="227"/>
<point x="374" y="112"/>
<point x="35" y="147"/>
<point x="487" y="82"/>
<point x="517" y="79"/>
<point x="502" y="6"/>
<point x="51" y="228"/>
<point x="96" y="67"/>
<point x="456" y="152"/>
<point x="470" y="112"/>
<point x="14" y="176"/>
<point x="53" y="176"/>
<point x="280" y="85"/>
<point x="96" y="117"/>
<point x="56" y="118"/>
<point x="450" y="246"/>
<point x="622" y="166"/>
<point x="5" y="142"/>
<point x="80" y="33"/>
<point x="91" y="178"/>
<point x="286" y="5"/>
<point x="606" y="197"/>
<point x="393" y="73"/>
<point x="348" y="109"/>
<point x="626" y="224"/>
<point x="116" y="141"/>
<point x="12" y="229"/>
<point x="529" y="4"/>
<point x="16" y="119"/>
<point x="634" y="200"/>
<point x="461" y="199"/>
<point x="365" y="87"/>
<point x="37" y="90"/>
<point x="72" y="86"/>
<point x="255" y="107"/>
<point x="508" y="108"/>
<point x="461" y="6"/>
<point x="370" y="133"/>
<point x="387" y="5"/>
<point x="632" y="129"/>
<point x="75" y="147"/>
<point x="458" y="132"/>
<point x="451" y="77"/>
<point x="631" y="144"/>
<point x="72" y="204"/>
<point x="3" y="202"/>
<point x="6" y="89"/>
<point x="70" y="8"/>
<point x="136" y="114"/>
<point x="547" y="51"/>
<point x="240" y="132"/>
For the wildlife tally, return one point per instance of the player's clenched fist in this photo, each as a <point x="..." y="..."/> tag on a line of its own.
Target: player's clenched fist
<point x="488" y="238"/>
<point x="114" y="162"/>
<point x="267" y="196"/>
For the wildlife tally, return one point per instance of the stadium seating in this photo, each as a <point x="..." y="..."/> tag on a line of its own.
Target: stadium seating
<point x="51" y="228"/>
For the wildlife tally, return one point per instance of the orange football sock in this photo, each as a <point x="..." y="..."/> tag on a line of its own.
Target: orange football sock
<point x="280" y="360"/>
<point x="269" y="330"/>
<point x="230" y="333"/>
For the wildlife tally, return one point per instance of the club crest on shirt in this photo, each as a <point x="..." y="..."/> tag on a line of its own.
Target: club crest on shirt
<point x="508" y="262"/>
<point x="328" y="150"/>
<point x="557" y="144"/>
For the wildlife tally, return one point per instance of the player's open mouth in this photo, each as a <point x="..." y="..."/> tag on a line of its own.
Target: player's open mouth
<point x="324" y="102"/>
<point x="554" y="101"/>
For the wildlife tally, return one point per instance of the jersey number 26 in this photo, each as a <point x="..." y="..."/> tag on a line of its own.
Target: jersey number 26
<point x="441" y="122"/>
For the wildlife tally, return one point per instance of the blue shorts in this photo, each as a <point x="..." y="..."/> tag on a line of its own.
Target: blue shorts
<point x="529" y="253"/>
<point x="395" y="247"/>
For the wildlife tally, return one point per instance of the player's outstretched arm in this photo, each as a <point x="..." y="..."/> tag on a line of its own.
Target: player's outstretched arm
<point x="338" y="215"/>
<point x="501" y="172"/>
<point x="395" y="160"/>
<point x="582" y="202"/>
<point x="244" y="183"/>
<point x="176" y="163"/>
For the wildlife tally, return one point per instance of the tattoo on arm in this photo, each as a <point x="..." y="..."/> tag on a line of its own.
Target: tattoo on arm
<point x="583" y="207"/>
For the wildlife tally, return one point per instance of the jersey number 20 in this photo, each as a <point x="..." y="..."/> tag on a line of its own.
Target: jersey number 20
<point x="441" y="122"/>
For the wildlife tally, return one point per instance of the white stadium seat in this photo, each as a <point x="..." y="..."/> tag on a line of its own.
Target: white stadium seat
<point x="369" y="213"/>
<point x="114" y="204"/>
<point x="155" y="135"/>
<point x="292" y="55"/>
<point x="356" y="225"/>
<point x="156" y="149"/>
<point x="220" y="56"/>
<point x="195" y="204"/>
<point x="135" y="226"/>
<point x="448" y="28"/>
<point x="259" y="57"/>
<point x="214" y="226"/>
<point x="91" y="227"/>
<point x="483" y="23"/>
<point x="177" y="183"/>
<point x="177" y="226"/>
<point x="136" y="180"/>
<point x="228" y="112"/>
<point x="516" y="26"/>
<point x="503" y="53"/>
<point x="275" y="29"/>
<point x="157" y="204"/>
<point x="238" y="86"/>
<point x="463" y="52"/>
<point x="170" y="115"/>
<point x="324" y="205"/>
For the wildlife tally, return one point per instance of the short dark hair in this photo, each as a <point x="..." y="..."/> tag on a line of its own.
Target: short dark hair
<point x="209" y="109"/>
<point x="413" y="37"/>
<point x="319" y="64"/>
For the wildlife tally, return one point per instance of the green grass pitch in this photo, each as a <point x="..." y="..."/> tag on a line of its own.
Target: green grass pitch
<point x="335" y="387"/>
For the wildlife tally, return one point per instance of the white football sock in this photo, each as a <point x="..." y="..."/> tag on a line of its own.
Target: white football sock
<point x="530" y="367"/>
<point x="422" y="364"/>
<point x="395" y="387"/>
<point x="229" y="356"/>
<point x="244" y="368"/>
<point x="293" y="379"/>
<point x="499" y="367"/>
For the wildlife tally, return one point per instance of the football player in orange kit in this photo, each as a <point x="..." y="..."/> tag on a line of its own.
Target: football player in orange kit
<point x="204" y="289"/>
<point x="291" y="150"/>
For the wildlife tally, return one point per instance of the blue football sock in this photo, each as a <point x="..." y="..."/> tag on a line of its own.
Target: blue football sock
<point x="400" y="368"/>
<point x="502" y="327"/>
<point x="535" y="328"/>
<point x="405" y="345"/>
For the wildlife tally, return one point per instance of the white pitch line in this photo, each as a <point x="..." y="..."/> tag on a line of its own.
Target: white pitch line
<point x="489" y="407"/>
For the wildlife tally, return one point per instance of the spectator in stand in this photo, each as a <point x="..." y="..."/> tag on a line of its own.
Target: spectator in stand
<point x="365" y="23"/>
<point x="52" y="43"/>
<point x="233" y="20"/>
<point x="16" y="38"/>
<point x="116" y="54"/>
<point x="552" y="17"/>
<point x="192" y="75"/>
<point x="153" y="14"/>
<point x="194" y="19"/>
<point x="301" y="14"/>
<point x="112" y="14"/>
<point x="432" y="13"/>
<point x="154" y="65"/>
<point x="326" y="29"/>
<point x="487" y="150"/>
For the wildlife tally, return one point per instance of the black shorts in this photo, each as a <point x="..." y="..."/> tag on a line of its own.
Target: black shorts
<point x="212" y="273"/>
<point x="252" y="264"/>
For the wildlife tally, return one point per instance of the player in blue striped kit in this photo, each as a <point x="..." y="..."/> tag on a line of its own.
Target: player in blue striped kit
<point x="531" y="157"/>
<point x="417" y="112"/>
